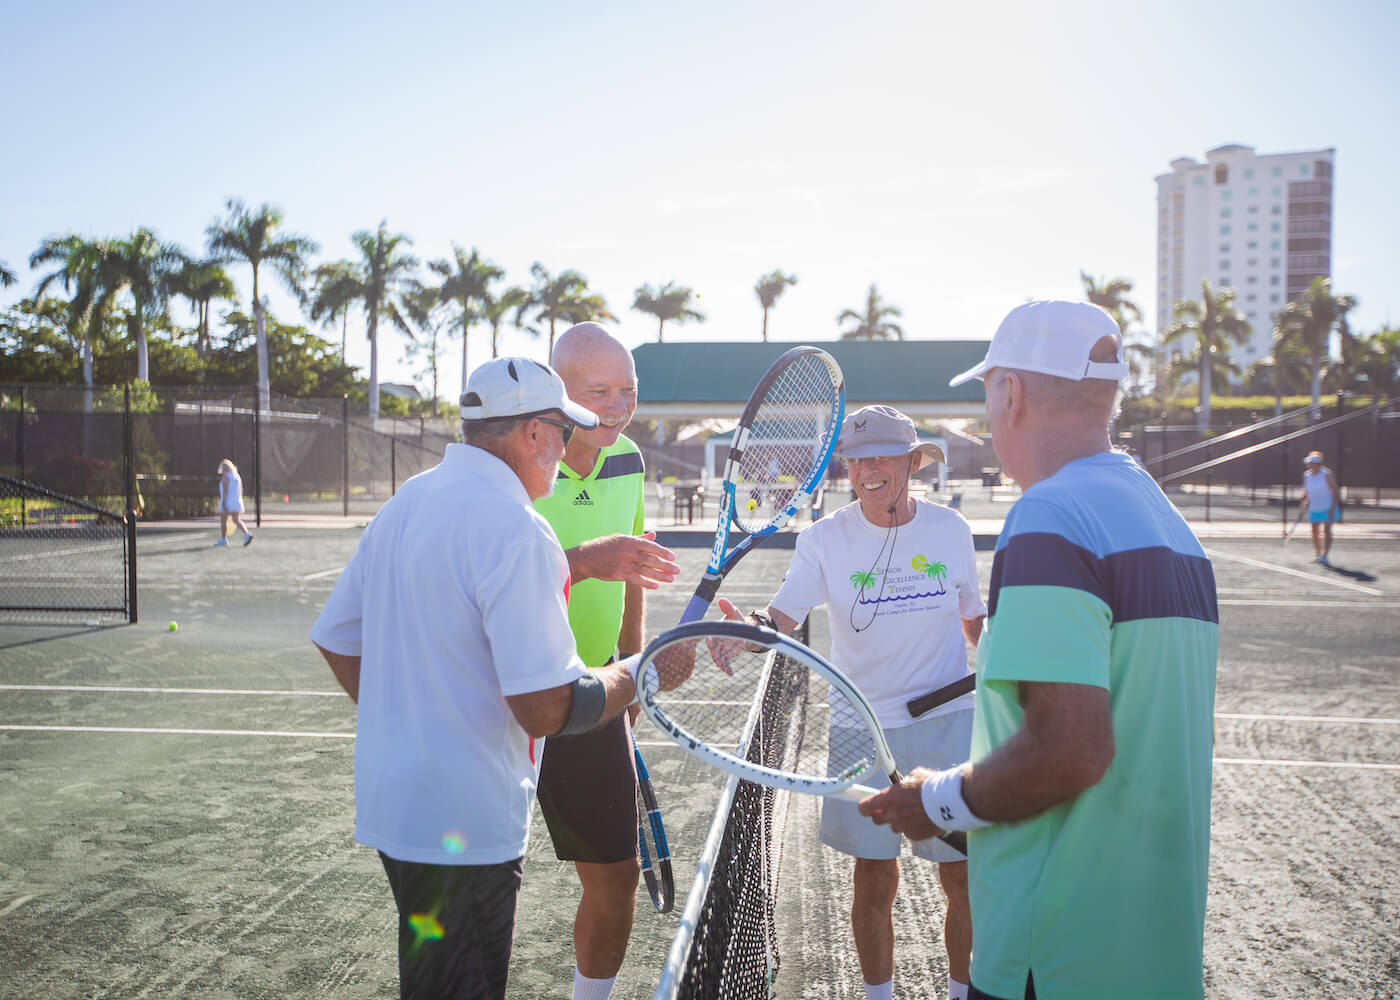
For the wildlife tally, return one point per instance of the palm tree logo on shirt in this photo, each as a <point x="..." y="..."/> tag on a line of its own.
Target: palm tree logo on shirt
<point x="933" y="570"/>
<point x="863" y="580"/>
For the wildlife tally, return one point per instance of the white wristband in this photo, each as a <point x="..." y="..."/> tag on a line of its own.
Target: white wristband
<point x="630" y="664"/>
<point x="943" y="801"/>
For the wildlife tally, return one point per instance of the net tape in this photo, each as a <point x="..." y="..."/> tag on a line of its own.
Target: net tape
<point x="728" y="945"/>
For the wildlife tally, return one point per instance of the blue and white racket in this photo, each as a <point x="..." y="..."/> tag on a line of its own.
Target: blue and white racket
<point x="777" y="458"/>
<point x="652" y="848"/>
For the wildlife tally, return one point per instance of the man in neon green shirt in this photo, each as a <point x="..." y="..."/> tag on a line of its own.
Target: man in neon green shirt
<point x="588" y="783"/>
<point x="1087" y="799"/>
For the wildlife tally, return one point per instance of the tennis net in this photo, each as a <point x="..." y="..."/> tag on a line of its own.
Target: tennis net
<point x="63" y="560"/>
<point x="727" y="943"/>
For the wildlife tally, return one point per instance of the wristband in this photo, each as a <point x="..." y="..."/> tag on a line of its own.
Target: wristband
<point x="763" y="619"/>
<point x="590" y="701"/>
<point x="943" y="801"/>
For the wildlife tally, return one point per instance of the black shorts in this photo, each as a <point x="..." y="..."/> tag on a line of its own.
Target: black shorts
<point x="588" y="794"/>
<point x="456" y="927"/>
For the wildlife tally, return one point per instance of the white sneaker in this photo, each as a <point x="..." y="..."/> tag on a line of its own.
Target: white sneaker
<point x="221" y="541"/>
<point x="247" y="538"/>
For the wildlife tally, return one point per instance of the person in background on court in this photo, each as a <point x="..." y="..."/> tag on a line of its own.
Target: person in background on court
<point x="898" y="577"/>
<point x="588" y="782"/>
<point x="449" y="629"/>
<point x="231" y="502"/>
<point x="1087" y="795"/>
<point x="1322" y="500"/>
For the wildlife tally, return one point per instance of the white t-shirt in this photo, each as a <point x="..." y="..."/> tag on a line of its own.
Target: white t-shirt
<point x="455" y="598"/>
<point x="1319" y="490"/>
<point x="231" y="492"/>
<point x="897" y="635"/>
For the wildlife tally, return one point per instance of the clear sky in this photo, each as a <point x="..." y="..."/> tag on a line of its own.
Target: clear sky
<point x="961" y="157"/>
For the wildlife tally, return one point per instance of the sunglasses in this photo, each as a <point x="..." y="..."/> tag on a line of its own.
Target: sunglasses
<point x="566" y="429"/>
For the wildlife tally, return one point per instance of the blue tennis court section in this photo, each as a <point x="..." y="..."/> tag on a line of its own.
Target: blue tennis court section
<point x="178" y="805"/>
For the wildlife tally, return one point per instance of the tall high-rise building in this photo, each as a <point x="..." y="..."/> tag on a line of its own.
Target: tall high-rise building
<point x="1258" y="223"/>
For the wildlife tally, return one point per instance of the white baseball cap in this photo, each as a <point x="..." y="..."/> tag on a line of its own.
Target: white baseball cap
<point x="519" y="387"/>
<point x="1054" y="338"/>
<point x="883" y="432"/>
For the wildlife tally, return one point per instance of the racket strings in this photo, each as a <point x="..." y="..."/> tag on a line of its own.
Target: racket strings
<point x="713" y="707"/>
<point x="787" y="437"/>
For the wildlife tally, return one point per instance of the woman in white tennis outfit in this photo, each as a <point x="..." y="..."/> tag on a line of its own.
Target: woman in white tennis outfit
<point x="1322" y="500"/>
<point x="231" y="502"/>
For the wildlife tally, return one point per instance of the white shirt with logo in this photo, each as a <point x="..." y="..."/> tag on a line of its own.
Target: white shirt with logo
<point x="895" y="616"/>
<point x="454" y="599"/>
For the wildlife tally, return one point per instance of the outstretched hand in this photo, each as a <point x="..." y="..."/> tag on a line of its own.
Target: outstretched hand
<point x="634" y="559"/>
<point x="901" y="807"/>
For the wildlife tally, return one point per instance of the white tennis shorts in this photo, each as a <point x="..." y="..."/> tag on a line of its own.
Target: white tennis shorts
<point x="939" y="742"/>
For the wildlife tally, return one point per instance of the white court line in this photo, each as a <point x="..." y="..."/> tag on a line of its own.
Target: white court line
<point x="1306" y="763"/>
<point x="1310" y="718"/>
<point x="133" y="730"/>
<point x="1260" y="564"/>
<point x="1281" y="603"/>
<point x="165" y="690"/>
<point x="176" y="732"/>
<point x="324" y="572"/>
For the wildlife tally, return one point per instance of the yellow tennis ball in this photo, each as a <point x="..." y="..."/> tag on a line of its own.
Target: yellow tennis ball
<point x="753" y="505"/>
<point x="172" y="626"/>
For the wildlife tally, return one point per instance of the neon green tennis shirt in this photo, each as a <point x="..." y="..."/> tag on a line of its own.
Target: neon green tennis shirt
<point x="610" y="500"/>
<point x="1097" y="580"/>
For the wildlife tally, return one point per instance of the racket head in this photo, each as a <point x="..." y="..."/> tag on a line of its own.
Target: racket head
<point x="785" y="438"/>
<point x="701" y="683"/>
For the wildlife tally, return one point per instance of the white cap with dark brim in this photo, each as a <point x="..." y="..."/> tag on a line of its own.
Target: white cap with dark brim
<point x="1054" y="338"/>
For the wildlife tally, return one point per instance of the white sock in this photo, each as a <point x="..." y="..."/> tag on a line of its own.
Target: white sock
<point x="956" y="990"/>
<point x="591" y="989"/>
<point x="879" y="991"/>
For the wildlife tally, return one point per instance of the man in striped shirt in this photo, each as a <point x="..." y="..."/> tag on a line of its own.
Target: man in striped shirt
<point x="1087" y="798"/>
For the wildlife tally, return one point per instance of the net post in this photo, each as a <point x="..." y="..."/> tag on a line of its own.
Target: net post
<point x="129" y="466"/>
<point x="345" y="454"/>
<point x="257" y="460"/>
<point x="1341" y="446"/>
<point x="393" y="465"/>
<point x="131" y="567"/>
<point x="20" y="442"/>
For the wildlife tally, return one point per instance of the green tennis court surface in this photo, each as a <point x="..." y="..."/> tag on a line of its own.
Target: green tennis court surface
<point x="177" y="806"/>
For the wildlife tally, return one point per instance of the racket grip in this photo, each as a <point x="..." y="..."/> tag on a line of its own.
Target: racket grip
<point x="930" y="701"/>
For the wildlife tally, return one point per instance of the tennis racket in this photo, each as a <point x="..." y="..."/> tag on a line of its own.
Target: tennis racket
<point x="777" y="458"/>
<point x="652" y="848"/>
<point x="1293" y="527"/>
<point x="700" y="682"/>
<point x="928" y="702"/>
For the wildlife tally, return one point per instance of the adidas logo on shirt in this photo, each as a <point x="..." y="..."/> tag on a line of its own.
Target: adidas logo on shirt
<point x="583" y="499"/>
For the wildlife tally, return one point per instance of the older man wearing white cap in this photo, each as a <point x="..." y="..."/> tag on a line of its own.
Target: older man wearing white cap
<point x="898" y="577"/>
<point x="1087" y="796"/>
<point x="449" y="628"/>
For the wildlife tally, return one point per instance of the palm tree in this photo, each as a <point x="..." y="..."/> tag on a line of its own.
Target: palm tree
<point x="669" y="302"/>
<point x="7" y="277"/>
<point x="466" y="283"/>
<point x="563" y="297"/>
<point x="256" y="237"/>
<point x="1214" y="326"/>
<point x="1285" y="371"/>
<point x="79" y="271"/>
<point x="423" y="305"/>
<point x="382" y="276"/>
<point x="141" y="265"/>
<point x="862" y="580"/>
<point x="768" y="288"/>
<point x="870" y="322"/>
<point x="1313" y="316"/>
<point x="1378" y="361"/>
<point x="1112" y="296"/>
<point x="495" y="307"/>
<point x="200" y="282"/>
<point x="328" y="297"/>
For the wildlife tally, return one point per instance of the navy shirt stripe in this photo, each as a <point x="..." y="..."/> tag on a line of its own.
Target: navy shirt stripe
<point x="1150" y="582"/>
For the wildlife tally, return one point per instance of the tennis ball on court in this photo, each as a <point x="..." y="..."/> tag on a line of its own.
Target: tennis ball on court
<point x="172" y="626"/>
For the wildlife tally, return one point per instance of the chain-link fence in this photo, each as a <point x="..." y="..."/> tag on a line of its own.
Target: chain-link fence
<point x="157" y="450"/>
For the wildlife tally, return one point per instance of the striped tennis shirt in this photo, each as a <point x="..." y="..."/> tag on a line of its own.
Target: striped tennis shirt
<point x="1098" y="580"/>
